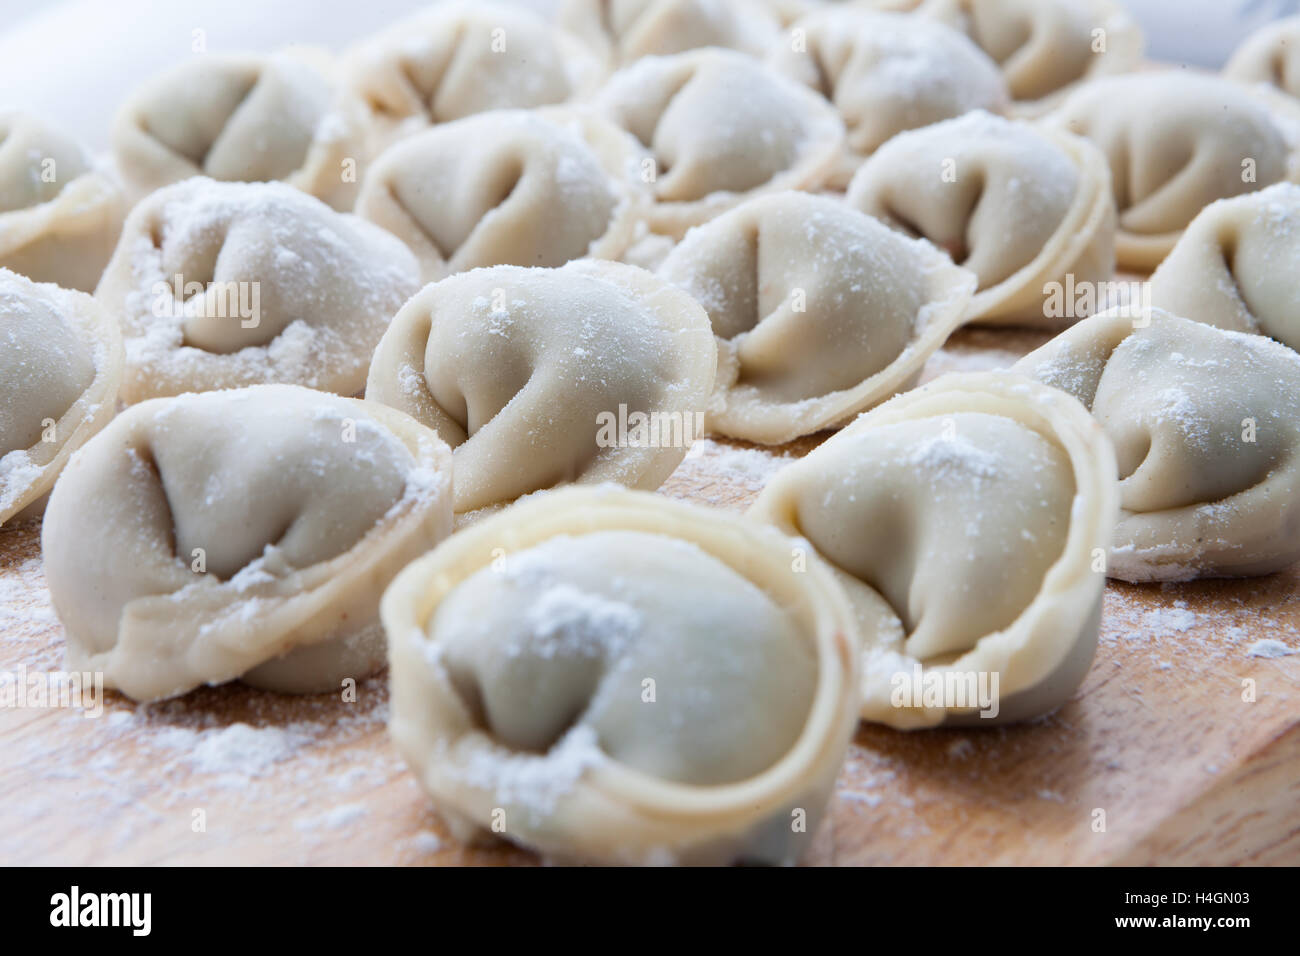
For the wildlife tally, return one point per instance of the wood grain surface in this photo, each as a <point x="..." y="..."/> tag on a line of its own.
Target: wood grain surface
<point x="1182" y="746"/>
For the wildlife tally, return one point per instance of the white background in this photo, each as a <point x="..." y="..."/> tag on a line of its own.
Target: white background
<point x="74" y="61"/>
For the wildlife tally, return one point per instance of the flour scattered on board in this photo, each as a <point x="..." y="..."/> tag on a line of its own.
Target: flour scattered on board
<point x="724" y="475"/>
<point x="1226" y="626"/>
<point x="425" y="843"/>
<point x="336" y="819"/>
<point x="143" y="770"/>
<point x="1270" y="647"/>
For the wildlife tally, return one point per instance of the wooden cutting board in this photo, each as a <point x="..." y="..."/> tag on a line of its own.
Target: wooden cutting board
<point x="1157" y="759"/>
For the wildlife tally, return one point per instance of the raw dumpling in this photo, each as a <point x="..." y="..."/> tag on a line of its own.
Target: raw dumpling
<point x="220" y="285"/>
<point x="240" y="534"/>
<point x="592" y="372"/>
<point x="721" y="128"/>
<point x="1238" y="266"/>
<point x="1270" y="55"/>
<point x="1019" y="206"/>
<point x="819" y="311"/>
<point x="1176" y="142"/>
<point x="1046" y="46"/>
<point x="886" y="73"/>
<point x="59" y="216"/>
<point x="626" y="30"/>
<point x="457" y="59"/>
<point x="1206" y="427"/>
<point x="612" y="677"/>
<point x="245" y="118"/>
<point x="60" y="369"/>
<point x="790" y="11"/>
<point x="968" y="521"/>
<point x="509" y="187"/>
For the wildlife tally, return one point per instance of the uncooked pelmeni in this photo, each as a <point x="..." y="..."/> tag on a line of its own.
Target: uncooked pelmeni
<point x="626" y="30"/>
<point x="592" y="372"/>
<point x="1020" y="207"/>
<point x="1176" y="142"/>
<point x="1238" y="266"/>
<point x="60" y="370"/>
<point x="456" y="59"/>
<point x="220" y="285"/>
<point x="820" y="312"/>
<point x="510" y="187"/>
<point x="1044" y="47"/>
<point x="1206" y="428"/>
<point x="721" y="129"/>
<point x="968" y="521"/>
<point x="241" y="534"/>
<point x="1270" y="55"/>
<point x="245" y="118"/>
<point x="611" y="677"/>
<point x="790" y="11"/>
<point x="59" y="216"/>
<point x="886" y="73"/>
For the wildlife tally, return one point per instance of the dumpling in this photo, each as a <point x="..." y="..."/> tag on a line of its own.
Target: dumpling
<point x="1206" y="428"/>
<point x="60" y="370"/>
<point x="1046" y="46"/>
<point x="220" y="285"/>
<point x="1176" y="142"/>
<point x="1020" y="207"/>
<point x="967" y="520"/>
<point x="1238" y="266"/>
<point x="886" y="73"/>
<point x="457" y="59"/>
<point x="59" y="216"/>
<point x="789" y="11"/>
<point x="245" y="118"/>
<point x="820" y="312"/>
<point x="1270" y="55"/>
<point x="611" y="677"/>
<point x="721" y="129"/>
<point x="240" y="534"/>
<point x="592" y="372"/>
<point x="509" y="187"/>
<point x="626" y="30"/>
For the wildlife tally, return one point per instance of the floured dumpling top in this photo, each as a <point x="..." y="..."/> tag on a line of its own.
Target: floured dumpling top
<point x="1019" y="206"/>
<point x="627" y="679"/>
<point x="245" y="118"/>
<point x="1238" y="266"/>
<point x="1270" y="55"/>
<point x="220" y="285"/>
<point x="456" y="59"/>
<point x="1176" y="142"/>
<point x="720" y="128"/>
<point x="886" y="73"/>
<point x="964" y="520"/>
<point x="59" y="216"/>
<point x="60" y="370"/>
<point x="1045" y="47"/>
<point x="820" y="312"/>
<point x="1206" y="427"/>
<point x="592" y="372"/>
<point x="240" y="534"/>
<point x="509" y="187"/>
<point x="626" y="30"/>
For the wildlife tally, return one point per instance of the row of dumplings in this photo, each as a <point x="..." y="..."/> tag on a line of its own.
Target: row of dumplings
<point x="707" y="104"/>
<point x="630" y="679"/>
